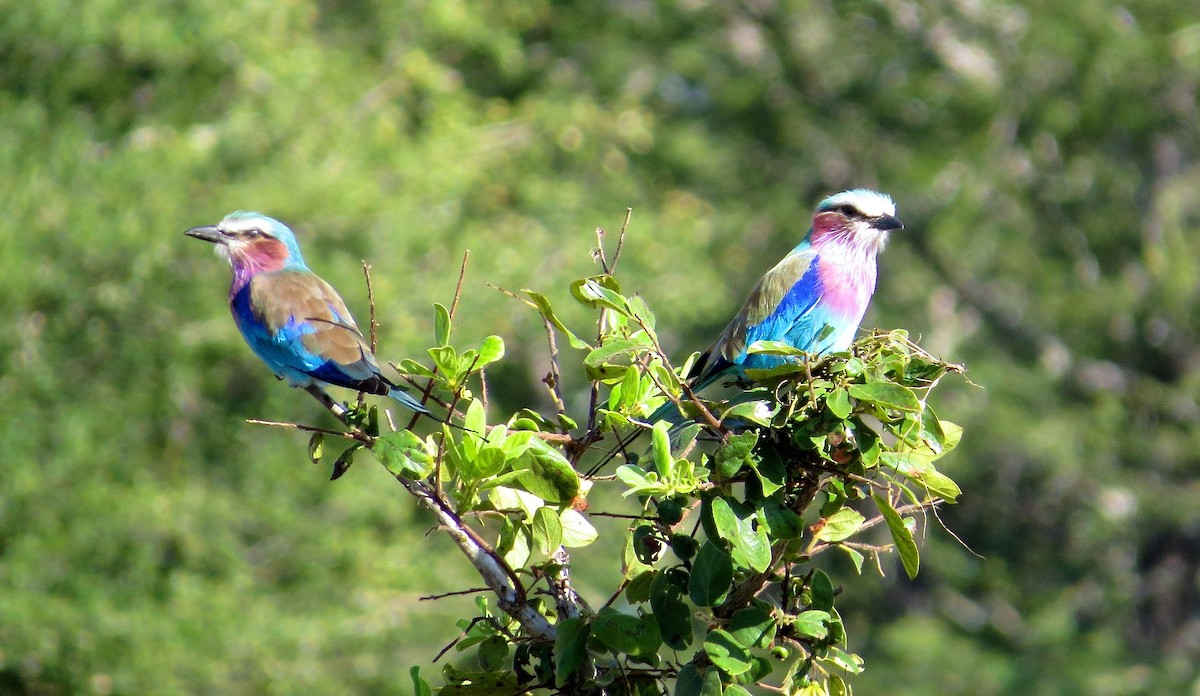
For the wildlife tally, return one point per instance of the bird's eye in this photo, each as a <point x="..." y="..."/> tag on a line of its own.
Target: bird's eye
<point x="253" y="233"/>
<point x="849" y="211"/>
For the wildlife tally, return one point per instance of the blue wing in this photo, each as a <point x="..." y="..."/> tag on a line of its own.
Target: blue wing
<point x="298" y="325"/>
<point x="784" y="306"/>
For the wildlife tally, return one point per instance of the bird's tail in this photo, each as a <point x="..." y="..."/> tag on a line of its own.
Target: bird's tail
<point x="401" y="397"/>
<point x="670" y="412"/>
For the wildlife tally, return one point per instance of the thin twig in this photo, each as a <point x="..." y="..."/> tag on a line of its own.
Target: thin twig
<point x="616" y="515"/>
<point x="600" y="250"/>
<point x="371" y="303"/>
<point x="462" y="634"/>
<point x="621" y="238"/>
<point x="553" y="380"/>
<point x="501" y="579"/>
<point x="374" y="323"/>
<point x="456" y="593"/>
<point x="513" y="295"/>
<point x="305" y="428"/>
<point x="462" y="273"/>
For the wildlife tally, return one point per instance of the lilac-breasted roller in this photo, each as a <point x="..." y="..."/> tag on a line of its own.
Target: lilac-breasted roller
<point x="292" y="319"/>
<point x="816" y="296"/>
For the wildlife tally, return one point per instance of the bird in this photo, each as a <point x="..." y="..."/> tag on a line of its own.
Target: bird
<point x="293" y="320"/>
<point x="813" y="299"/>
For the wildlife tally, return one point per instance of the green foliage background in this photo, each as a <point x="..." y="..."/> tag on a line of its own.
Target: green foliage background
<point x="1043" y="155"/>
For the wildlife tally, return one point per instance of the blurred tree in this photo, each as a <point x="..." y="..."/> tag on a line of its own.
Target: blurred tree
<point x="1043" y="154"/>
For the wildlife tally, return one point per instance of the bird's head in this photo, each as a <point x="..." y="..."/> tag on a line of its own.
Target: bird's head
<point x="252" y="243"/>
<point x="859" y="216"/>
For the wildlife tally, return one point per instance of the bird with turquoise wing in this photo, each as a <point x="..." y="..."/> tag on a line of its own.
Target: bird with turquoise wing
<point x="292" y="319"/>
<point x="813" y="299"/>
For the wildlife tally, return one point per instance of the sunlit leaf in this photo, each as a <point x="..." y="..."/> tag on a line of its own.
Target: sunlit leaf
<point x="441" y="325"/>
<point x="725" y="652"/>
<point x="403" y="454"/>
<point x="887" y="395"/>
<point x="841" y="525"/>
<point x="906" y="546"/>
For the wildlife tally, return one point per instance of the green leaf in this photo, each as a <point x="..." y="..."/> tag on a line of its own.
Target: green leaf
<point x="712" y="684"/>
<point x="475" y="421"/>
<point x="420" y="686"/>
<point x="690" y="682"/>
<point x="757" y="412"/>
<point x="752" y="627"/>
<point x="629" y="391"/>
<point x="617" y="347"/>
<point x="841" y="525"/>
<point x="735" y="690"/>
<point x="951" y="435"/>
<point x="576" y="530"/>
<point x="547" y="530"/>
<point x="403" y="454"/>
<point x="441" y="325"/>
<point x="887" y="395"/>
<point x="760" y="667"/>
<point x="409" y="366"/>
<point x="316" y="447"/>
<point x="513" y="543"/>
<point x="634" y="635"/>
<point x="847" y="662"/>
<point x="570" y="647"/>
<point x="751" y="547"/>
<point x="781" y="522"/>
<point x="738" y="450"/>
<point x="712" y="573"/>
<point x="492" y="652"/>
<point x="547" y="312"/>
<point x="775" y="348"/>
<point x="837" y="686"/>
<point x="771" y="473"/>
<point x="856" y="558"/>
<point x="446" y="360"/>
<point x="901" y="535"/>
<point x="726" y="652"/>
<point x="811" y="624"/>
<point x="488" y="461"/>
<point x="637" y="590"/>
<point x="661" y="442"/>
<point x="821" y="588"/>
<point x="634" y="477"/>
<point x="647" y="547"/>
<point x="838" y="403"/>
<point x="942" y="486"/>
<point x="670" y="611"/>
<point x="725" y="519"/>
<point x="546" y="473"/>
<point x="491" y="350"/>
<point x="600" y="291"/>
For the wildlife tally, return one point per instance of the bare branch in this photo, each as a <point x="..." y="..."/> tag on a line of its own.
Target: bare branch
<point x="305" y="428"/>
<point x="621" y="239"/>
<point x="553" y="380"/>
<point x="462" y="273"/>
<point x="456" y="593"/>
<point x="500" y="579"/>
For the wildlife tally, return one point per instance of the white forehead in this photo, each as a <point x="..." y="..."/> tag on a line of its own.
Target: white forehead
<point x="870" y="203"/>
<point x="241" y="221"/>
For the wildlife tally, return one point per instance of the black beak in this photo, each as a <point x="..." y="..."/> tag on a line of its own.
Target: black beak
<point x="882" y="223"/>
<point x="209" y="233"/>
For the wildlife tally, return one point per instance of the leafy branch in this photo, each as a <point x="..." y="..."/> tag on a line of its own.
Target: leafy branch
<point x="820" y="453"/>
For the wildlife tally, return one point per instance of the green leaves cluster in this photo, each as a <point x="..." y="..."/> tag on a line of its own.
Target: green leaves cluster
<point x="720" y="589"/>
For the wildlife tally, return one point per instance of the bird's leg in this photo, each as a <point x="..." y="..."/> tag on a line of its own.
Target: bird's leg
<point x="337" y="409"/>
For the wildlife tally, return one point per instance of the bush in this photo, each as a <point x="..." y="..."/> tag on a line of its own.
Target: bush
<point x="719" y="580"/>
